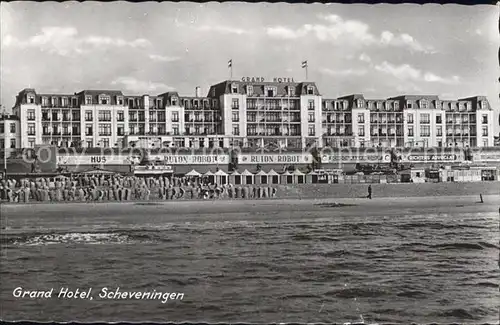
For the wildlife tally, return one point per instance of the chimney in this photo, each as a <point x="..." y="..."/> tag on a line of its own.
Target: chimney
<point x="197" y="92"/>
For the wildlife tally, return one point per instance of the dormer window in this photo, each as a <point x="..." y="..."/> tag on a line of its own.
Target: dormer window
<point x="396" y="105"/>
<point x="54" y="101"/>
<point x="310" y="90"/>
<point x="346" y="105"/>
<point x="379" y="105"/>
<point x="45" y="101"/>
<point x="291" y="91"/>
<point x="424" y="104"/>
<point x="213" y="92"/>
<point x="387" y="106"/>
<point x="104" y="100"/>
<point x="370" y="105"/>
<point x="31" y="99"/>
<point x="174" y="101"/>
<point x="438" y="104"/>
<point x="270" y="91"/>
<point x="119" y="100"/>
<point x="88" y="100"/>
<point x="409" y="104"/>
<point x="249" y="90"/>
<point x="234" y="89"/>
<point x="359" y="103"/>
<point x="484" y="104"/>
<point x="468" y="106"/>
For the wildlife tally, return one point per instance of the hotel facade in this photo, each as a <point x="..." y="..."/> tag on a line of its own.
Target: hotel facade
<point x="249" y="113"/>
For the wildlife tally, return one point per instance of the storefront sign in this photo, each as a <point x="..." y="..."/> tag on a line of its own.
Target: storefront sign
<point x="191" y="159"/>
<point x="96" y="160"/>
<point x="261" y="79"/>
<point x="275" y="159"/>
<point x="356" y="158"/>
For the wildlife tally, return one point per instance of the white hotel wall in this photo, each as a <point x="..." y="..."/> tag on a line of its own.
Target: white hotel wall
<point x="432" y="139"/>
<point x="304" y="114"/>
<point x="355" y="125"/>
<point x="95" y="137"/>
<point x="479" y="128"/>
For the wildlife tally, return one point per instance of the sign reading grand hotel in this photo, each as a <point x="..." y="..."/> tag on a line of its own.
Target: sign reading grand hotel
<point x="261" y="79"/>
<point x="191" y="159"/>
<point x="275" y="159"/>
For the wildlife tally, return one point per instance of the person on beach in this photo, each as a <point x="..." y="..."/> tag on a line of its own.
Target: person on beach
<point x="369" y="192"/>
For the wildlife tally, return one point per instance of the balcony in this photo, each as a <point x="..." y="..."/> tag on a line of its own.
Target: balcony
<point x="31" y="133"/>
<point x="56" y="133"/>
<point x="132" y="119"/>
<point x="104" y="134"/>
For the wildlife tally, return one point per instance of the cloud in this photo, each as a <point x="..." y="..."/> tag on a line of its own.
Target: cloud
<point x="65" y="41"/>
<point x="334" y="28"/>
<point x="403" y="72"/>
<point x="161" y="58"/>
<point x="139" y="86"/>
<point x="406" y="72"/>
<point x="479" y="32"/>
<point x="222" y="29"/>
<point x="403" y="40"/>
<point x="365" y="58"/>
<point x="346" y="72"/>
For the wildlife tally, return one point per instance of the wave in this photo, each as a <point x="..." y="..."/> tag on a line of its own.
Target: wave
<point x="461" y="313"/>
<point x="351" y="293"/>
<point x="470" y="246"/>
<point x="437" y="225"/>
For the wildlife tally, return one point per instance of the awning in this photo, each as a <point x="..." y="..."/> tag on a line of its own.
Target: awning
<point x="208" y="173"/>
<point x="298" y="172"/>
<point x="246" y="173"/>
<point x="235" y="173"/>
<point x="193" y="173"/>
<point x="261" y="173"/>
<point x="220" y="172"/>
<point x="286" y="173"/>
<point x="273" y="173"/>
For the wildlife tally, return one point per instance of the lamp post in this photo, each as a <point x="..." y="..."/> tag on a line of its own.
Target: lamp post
<point x="4" y="142"/>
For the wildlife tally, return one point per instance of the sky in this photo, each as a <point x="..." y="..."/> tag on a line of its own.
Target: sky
<point x="149" y="48"/>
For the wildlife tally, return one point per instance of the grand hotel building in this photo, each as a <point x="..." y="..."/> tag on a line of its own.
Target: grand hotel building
<point x="249" y="113"/>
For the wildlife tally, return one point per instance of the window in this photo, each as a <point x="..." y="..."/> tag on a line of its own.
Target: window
<point x="439" y="119"/>
<point x="45" y="101"/>
<point x="234" y="88"/>
<point x="361" y="118"/>
<point x="359" y="103"/>
<point x="104" y="129"/>
<point x="105" y="143"/>
<point x="31" y="115"/>
<point x="12" y="128"/>
<point x="396" y="105"/>
<point x="88" y="115"/>
<point x="235" y="104"/>
<point x="425" y="118"/>
<point x="485" y="142"/>
<point x="104" y="116"/>
<point x="485" y="131"/>
<point x="310" y="104"/>
<point x="310" y="90"/>
<point x="484" y="104"/>
<point x="120" y="129"/>
<point x="31" y="143"/>
<point x="236" y="129"/>
<point x="175" y="116"/>
<point x="88" y="129"/>
<point x="174" y="101"/>
<point x="88" y="100"/>
<point x="12" y="143"/>
<point x="2" y="143"/>
<point x="75" y="115"/>
<point x="104" y="100"/>
<point x="249" y="90"/>
<point x="291" y="91"/>
<point x="2" y="128"/>
<point x="410" y="131"/>
<point x="361" y="131"/>
<point x="485" y="119"/>
<point x="31" y="129"/>
<point x="175" y="129"/>
<point x="439" y="130"/>
<point x="410" y="118"/>
<point x="425" y="131"/>
<point x="311" y="130"/>
<point x="120" y="116"/>
<point x="310" y="117"/>
<point x="119" y="100"/>
<point x="409" y="104"/>
<point x="236" y="116"/>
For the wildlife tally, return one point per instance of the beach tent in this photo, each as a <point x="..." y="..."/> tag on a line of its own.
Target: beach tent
<point x="261" y="177"/>
<point x="273" y="177"/>
<point x="312" y="177"/>
<point x="235" y="178"/>
<point x="299" y="177"/>
<point x="247" y="177"/>
<point x="220" y="177"/>
<point x="210" y="176"/>
<point x="193" y="173"/>
<point x="286" y="177"/>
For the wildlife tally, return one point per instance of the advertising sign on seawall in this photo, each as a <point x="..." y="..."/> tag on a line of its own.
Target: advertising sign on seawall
<point x="485" y="156"/>
<point x="95" y="160"/>
<point x="431" y="157"/>
<point x="275" y="159"/>
<point x="191" y="159"/>
<point x="356" y="158"/>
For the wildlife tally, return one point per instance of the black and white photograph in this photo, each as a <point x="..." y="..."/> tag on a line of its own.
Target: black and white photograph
<point x="257" y="163"/>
